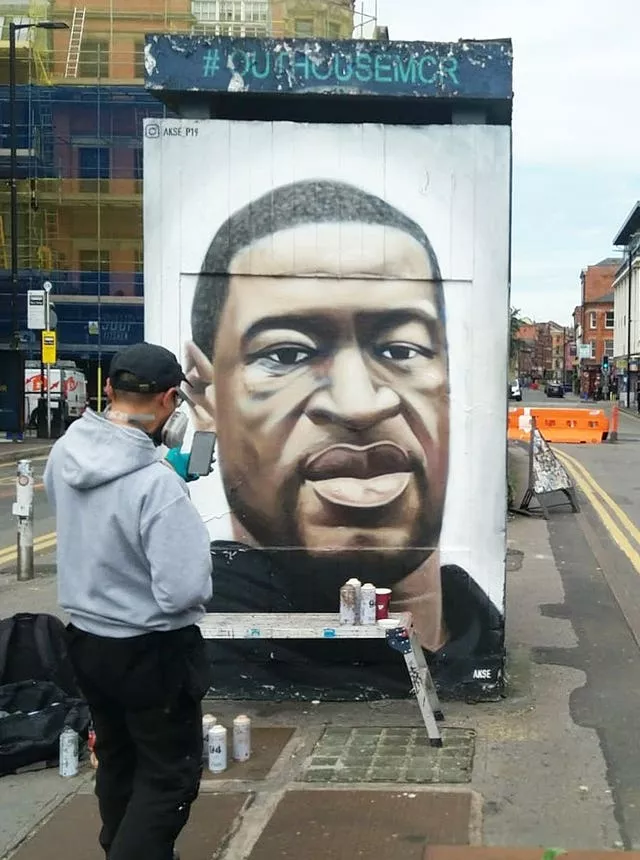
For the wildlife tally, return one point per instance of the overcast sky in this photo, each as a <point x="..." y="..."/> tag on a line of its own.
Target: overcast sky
<point x="576" y="127"/>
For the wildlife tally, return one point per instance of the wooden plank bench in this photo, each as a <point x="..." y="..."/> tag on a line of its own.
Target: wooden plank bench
<point x="400" y="636"/>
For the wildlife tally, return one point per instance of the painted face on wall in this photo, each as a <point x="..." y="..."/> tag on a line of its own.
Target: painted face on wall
<point x="331" y="396"/>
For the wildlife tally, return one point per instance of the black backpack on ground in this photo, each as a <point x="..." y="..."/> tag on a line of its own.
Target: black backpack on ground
<point x="39" y="695"/>
<point x="33" y="647"/>
<point x="33" y="715"/>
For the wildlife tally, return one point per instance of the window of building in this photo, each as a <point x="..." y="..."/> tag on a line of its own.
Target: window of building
<point x="608" y="348"/>
<point x="94" y="168"/>
<point x="138" y="168"/>
<point x="94" y="260"/>
<point x="609" y="320"/>
<point x="333" y="30"/>
<point x="94" y="59"/>
<point x="593" y="320"/>
<point x="256" y="12"/>
<point x="230" y="10"/>
<point x="138" y="61"/>
<point x="232" y="16"/>
<point x="22" y="35"/>
<point x="95" y="271"/>
<point x="304" y="27"/>
<point x="205" y="10"/>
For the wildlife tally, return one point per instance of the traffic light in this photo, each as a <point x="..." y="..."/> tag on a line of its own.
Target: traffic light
<point x="605" y="363"/>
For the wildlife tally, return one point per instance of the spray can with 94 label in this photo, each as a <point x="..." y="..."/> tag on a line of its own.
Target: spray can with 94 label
<point x="217" y="749"/>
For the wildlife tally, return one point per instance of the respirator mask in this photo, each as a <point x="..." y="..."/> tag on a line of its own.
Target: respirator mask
<point x="172" y="432"/>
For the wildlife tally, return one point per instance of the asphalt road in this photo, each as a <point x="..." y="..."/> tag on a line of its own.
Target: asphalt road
<point x="598" y="555"/>
<point x="44" y="522"/>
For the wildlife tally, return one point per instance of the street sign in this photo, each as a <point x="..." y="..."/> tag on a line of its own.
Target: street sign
<point x="585" y="350"/>
<point x="36" y="309"/>
<point x="49" y="347"/>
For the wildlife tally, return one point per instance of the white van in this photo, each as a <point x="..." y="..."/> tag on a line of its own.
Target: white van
<point x="515" y="392"/>
<point x="68" y="385"/>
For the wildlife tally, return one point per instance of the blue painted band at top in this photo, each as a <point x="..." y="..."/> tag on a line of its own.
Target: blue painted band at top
<point x="470" y="70"/>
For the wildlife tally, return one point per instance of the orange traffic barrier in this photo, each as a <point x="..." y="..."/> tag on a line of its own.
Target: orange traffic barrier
<point x="577" y="426"/>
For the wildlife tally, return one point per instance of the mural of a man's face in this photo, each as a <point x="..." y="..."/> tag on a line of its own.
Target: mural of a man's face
<point x="331" y="396"/>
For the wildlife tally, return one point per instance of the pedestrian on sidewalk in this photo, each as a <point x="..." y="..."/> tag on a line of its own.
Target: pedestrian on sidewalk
<point x="134" y="575"/>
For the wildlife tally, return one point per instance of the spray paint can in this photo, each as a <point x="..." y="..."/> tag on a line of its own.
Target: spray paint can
<point x="368" y="604"/>
<point x="68" y="764"/>
<point x="347" y="605"/>
<point x="242" y="738"/>
<point x="358" y="587"/>
<point x="217" y="749"/>
<point x="208" y="722"/>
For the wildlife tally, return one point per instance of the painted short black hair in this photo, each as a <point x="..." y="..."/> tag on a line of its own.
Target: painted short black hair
<point x="308" y="202"/>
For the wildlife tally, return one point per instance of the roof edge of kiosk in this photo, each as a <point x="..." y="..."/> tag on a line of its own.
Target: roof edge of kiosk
<point x="391" y="82"/>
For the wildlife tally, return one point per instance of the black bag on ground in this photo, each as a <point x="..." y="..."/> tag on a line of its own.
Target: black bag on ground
<point x="33" y="715"/>
<point x="33" y="647"/>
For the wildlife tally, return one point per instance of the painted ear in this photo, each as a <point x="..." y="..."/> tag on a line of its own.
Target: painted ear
<point x="199" y="372"/>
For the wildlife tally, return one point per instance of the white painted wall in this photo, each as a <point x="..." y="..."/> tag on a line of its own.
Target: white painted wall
<point x="621" y="310"/>
<point x="453" y="180"/>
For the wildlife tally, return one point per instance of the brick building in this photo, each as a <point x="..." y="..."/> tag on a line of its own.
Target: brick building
<point x="80" y="106"/>
<point x="540" y="351"/>
<point x="594" y="321"/>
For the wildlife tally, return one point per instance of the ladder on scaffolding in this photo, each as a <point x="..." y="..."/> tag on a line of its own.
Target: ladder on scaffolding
<point x="46" y="124"/>
<point x="4" y="261"/>
<point x="75" y="42"/>
<point x="51" y="226"/>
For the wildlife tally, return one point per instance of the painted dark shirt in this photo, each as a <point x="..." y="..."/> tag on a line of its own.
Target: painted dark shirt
<point x="246" y="580"/>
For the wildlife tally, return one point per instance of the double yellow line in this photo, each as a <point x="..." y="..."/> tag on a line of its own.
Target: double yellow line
<point x="620" y="527"/>
<point x="9" y="554"/>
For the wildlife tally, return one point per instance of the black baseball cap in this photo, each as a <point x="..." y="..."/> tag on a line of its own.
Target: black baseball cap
<point x="151" y="368"/>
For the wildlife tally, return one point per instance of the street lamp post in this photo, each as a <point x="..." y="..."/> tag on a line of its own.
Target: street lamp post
<point x="13" y="169"/>
<point x="13" y="177"/>
<point x="629" y="332"/>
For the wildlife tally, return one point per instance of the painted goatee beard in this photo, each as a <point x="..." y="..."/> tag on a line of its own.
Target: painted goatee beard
<point x="312" y="580"/>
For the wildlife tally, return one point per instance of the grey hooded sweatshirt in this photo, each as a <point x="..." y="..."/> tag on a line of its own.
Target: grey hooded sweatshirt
<point x="133" y="553"/>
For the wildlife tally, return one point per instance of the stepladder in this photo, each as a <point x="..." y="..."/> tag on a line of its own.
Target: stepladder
<point x="401" y="636"/>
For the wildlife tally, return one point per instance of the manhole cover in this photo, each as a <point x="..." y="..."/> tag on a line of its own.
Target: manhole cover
<point x="391" y="755"/>
<point x="515" y="557"/>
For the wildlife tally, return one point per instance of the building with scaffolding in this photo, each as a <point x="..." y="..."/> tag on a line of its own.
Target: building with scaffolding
<point x="80" y="106"/>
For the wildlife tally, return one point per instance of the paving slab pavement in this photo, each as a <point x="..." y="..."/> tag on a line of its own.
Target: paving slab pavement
<point x="11" y="452"/>
<point x="541" y="779"/>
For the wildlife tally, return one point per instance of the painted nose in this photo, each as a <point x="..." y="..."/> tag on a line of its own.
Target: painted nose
<point x="351" y="398"/>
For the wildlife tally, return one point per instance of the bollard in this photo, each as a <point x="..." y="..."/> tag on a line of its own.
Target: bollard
<point x="23" y="510"/>
<point x="613" y="427"/>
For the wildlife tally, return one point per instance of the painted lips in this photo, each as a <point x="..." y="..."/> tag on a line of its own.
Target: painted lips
<point x="372" y="476"/>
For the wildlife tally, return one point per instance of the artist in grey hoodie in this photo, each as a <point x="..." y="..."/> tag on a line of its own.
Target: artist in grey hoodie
<point x="134" y="574"/>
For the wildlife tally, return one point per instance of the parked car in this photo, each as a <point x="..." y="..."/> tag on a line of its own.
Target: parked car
<point x="515" y="392"/>
<point x="555" y="389"/>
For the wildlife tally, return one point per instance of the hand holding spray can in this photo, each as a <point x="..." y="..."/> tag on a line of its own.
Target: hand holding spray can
<point x="242" y="738"/>
<point x="368" y="604"/>
<point x="217" y="749"/>
<point x="347" y="605"/>
<point x="68" y="765"/>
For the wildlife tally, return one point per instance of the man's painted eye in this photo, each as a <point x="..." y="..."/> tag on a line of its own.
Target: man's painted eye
<point x="288" y="356"/>
<point x="404" y="351"/>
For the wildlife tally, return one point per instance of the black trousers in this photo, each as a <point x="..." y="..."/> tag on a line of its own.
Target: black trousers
<point x="145" y="697"/>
